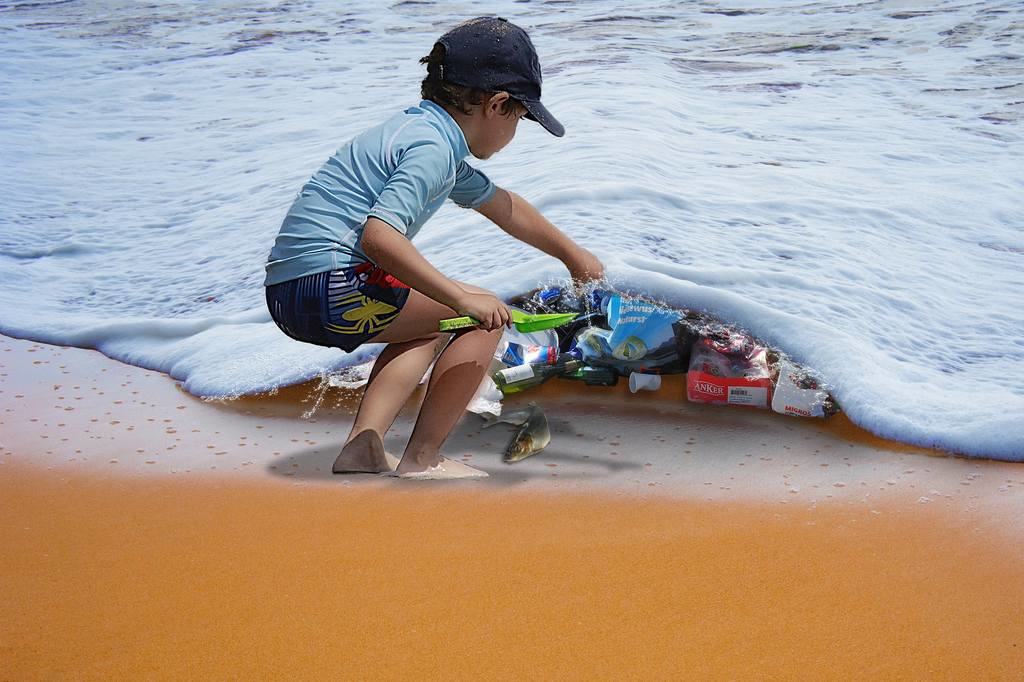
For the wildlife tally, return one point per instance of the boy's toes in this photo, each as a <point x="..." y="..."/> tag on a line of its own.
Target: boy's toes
<point x="443" y="470"/>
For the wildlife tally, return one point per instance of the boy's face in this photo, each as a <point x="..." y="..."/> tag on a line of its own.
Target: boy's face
<point x="496" y="128"/>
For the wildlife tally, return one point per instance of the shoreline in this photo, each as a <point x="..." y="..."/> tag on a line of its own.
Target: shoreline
<point x="150" y="533"/>
<point x="72" y="409"/>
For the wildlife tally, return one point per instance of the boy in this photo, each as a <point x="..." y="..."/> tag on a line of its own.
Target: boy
<point x="344" y="272"/>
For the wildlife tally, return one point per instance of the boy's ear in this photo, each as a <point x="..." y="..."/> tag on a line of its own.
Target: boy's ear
<point x="496" y="103"/>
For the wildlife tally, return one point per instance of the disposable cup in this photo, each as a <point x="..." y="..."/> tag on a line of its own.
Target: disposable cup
<point x="644" y="382"/>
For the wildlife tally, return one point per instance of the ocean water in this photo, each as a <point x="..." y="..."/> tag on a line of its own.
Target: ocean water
<point x="843" y="179"/>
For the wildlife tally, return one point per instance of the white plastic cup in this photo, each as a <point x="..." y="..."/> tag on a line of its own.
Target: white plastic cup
<point x="644" y="382"/>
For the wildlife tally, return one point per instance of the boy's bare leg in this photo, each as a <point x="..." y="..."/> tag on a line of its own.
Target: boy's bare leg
<point x="395" y="375"/>
<point x="453" y="382"/>
<point x="410" y="334"/>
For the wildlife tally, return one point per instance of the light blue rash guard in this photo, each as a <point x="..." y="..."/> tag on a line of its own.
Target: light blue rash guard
<point x="400" y="171"/>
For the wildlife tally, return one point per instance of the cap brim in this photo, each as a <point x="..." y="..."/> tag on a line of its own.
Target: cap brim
<point x="539" y="113"/>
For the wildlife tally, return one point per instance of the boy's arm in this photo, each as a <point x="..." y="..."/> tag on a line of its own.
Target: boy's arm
<point x="392" y="251"/>
<point x="519" y="218"/>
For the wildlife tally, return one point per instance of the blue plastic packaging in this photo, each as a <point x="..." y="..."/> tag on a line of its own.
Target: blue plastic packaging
<point x="638" y="327"/>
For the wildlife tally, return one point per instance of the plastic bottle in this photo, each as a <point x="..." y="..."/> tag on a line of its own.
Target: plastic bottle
<point x="599" y="300"/>
<point x="518" y="354"/>
<point x="549" y="296"/>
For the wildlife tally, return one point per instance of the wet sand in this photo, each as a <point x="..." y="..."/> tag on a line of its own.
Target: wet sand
<point x="148" y="533"/>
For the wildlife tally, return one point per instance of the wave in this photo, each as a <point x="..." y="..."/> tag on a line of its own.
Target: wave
<point x="226" y="357"/>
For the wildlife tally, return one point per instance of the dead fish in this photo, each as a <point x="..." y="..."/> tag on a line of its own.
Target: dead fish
<point x="516" y="418"/>
<point x="531" y="437"/>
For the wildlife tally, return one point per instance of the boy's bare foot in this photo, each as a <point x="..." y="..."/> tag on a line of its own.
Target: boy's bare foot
<point x="445" y="469"/>
<point x="364" y="454"/>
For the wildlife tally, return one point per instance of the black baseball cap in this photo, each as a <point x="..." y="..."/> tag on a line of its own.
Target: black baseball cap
<point x="491" y="53"/>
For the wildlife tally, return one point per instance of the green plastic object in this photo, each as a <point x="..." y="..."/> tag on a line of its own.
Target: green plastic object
<point x="524" y="322"/>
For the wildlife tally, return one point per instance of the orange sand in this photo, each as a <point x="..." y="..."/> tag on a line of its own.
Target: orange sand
<point x="252" y="561"/>
<point x="168" y="578"/>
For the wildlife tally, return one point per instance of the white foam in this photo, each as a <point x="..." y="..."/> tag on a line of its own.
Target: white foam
<point x="844" y="181"/>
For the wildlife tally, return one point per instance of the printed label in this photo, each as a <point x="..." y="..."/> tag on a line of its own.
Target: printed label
<point x="748" y="395"/>
<point x="514" y="374"/>
<point x="513" y="355"/>
<point x="790" y="398"/>
<point x="709" y="388"/>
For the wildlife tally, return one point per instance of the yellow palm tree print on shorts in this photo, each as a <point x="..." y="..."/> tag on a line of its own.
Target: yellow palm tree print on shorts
<point x="365" y="315"/>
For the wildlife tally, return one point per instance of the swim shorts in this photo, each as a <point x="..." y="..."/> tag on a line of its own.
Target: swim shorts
<point x="341" y="308"/>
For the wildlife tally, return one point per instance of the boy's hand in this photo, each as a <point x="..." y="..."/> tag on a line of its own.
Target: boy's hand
<point x="584" y="266"/>
<point x="488" y="308"/>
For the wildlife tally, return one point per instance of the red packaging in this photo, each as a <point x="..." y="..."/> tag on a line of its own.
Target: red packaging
<point x="740" y="378"/>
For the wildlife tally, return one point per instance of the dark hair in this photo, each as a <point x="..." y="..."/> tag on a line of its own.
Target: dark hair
<point x="435" y="88"/>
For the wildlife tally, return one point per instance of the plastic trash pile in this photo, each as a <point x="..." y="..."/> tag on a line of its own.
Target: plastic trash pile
<point x="618" y="336"/>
